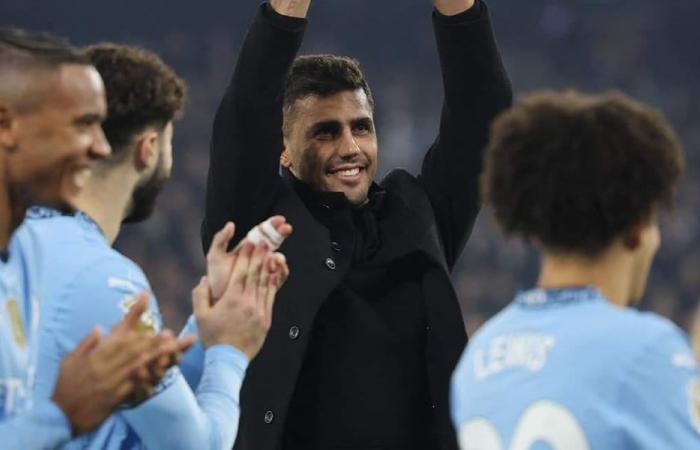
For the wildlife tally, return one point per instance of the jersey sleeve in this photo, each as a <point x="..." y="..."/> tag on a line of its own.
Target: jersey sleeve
<point x="209" y="417"/>
<point x="43" y="427"/>
<point x="192" y="363"/>
<point x="100" y="293"/>
<point x="660" y="392"/>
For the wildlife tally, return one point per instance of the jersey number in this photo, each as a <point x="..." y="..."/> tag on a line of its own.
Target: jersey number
<point x="543" y="421"/>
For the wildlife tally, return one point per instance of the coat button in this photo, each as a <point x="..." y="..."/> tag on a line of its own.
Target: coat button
<point x="269" y="417"/>
<point x="335" y="246"/>
<point x="330" y="263"/>
<point x="294" y="332"/>
<point x="325" y="206"/>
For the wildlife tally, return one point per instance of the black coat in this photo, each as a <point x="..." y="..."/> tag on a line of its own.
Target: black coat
<point x="432" y="213"/>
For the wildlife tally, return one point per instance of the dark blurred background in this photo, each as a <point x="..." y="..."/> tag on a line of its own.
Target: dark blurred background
<point x="647" y="48"/>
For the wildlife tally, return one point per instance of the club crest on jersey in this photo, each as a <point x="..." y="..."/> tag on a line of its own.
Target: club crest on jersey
<point x="15" y="318"/>
<point x="147" y="321"/>
<point x="694" y="402"/>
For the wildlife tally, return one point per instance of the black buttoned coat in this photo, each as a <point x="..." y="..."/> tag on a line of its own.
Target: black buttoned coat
<point x="431" y="213"/>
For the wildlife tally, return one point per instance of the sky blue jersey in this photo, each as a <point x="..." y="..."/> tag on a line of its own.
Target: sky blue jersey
<point x="86" y="283"/>
<point x="24" y="423"/>
<point x="567" y="370"/>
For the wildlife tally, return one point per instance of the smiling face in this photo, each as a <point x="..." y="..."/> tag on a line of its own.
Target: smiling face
<point x="331" y="144"/>
<point x="56" y="142"/>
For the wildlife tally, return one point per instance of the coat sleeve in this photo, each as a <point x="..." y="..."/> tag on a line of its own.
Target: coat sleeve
<point x="476" y="89"/>
<point x="247" y="139"/>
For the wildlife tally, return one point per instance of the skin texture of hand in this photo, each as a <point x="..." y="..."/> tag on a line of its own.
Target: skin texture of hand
<point x="452" y="7"/>
<point x="242" y="316"/>
<point x="220" y="261"/>
<point x="100" y="374"/>
<point x="291" y="8"/>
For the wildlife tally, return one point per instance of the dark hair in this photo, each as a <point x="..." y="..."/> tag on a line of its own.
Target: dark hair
<point x="25" y="57"/>
<point x="322" y="75"/>
<point x="141" y="91"/>
<point x="40" y="49"/>
<point x="575" y="171"/>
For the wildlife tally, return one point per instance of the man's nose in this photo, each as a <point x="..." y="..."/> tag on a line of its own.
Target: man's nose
<point x="100" y="148"/>
<point x="348" y="144"/>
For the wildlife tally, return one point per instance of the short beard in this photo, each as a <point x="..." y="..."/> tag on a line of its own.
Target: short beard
<point x="143" y="200"/>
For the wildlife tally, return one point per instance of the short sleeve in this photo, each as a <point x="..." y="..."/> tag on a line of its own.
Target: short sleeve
<point x="660" y="393"/>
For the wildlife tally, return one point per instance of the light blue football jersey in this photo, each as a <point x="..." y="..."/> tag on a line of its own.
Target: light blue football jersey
<point x="567" y="370"/>
<point x="24" y="423"/>
<point x="89" y="283"/>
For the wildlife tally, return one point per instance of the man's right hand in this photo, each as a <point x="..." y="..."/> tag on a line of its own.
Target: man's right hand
<point x="242" y="316"/>
<point x="291" y="8"/>
<point x="220" y="260"/>
<point x="99" y="374"/>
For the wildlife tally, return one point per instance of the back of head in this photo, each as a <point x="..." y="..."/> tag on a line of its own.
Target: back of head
<point x="323" y="76"/>
<point x="573" y="171"/>
<point x="24" y="57"/>
<point x="142" y="91"/>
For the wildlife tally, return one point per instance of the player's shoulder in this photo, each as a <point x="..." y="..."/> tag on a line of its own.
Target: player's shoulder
<point x="55" y="232"/>
<point x="641" y="330"/>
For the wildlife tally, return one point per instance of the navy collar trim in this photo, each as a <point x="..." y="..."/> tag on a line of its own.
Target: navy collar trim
<point x="544" y="297"/>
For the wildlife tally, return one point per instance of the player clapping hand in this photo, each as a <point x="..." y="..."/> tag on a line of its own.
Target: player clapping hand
<point x="233" y="304"/>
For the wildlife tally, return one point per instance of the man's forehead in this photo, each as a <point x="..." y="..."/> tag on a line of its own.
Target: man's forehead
<point x="339" y="106"/>
<point x="78" y="85"/>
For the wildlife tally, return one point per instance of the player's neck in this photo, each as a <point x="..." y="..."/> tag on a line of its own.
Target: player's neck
<point x="607" y="273"/>
<point x="106" y="199"/>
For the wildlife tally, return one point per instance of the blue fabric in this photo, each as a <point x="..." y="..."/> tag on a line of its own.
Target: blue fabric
<point x="24" y="424"/>
<point x="89" y="283"/>
<point x="566" y="369"/>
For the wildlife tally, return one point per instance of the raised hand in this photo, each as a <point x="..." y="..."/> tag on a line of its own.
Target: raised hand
<point x="220" y="261"/>
<point x="452" y="7"/>
<point x="292" y="8"/>
<point x="242" y="316"/>
<point x="100" y="374"/>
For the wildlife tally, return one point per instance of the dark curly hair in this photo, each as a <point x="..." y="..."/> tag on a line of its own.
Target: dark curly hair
<point x="322" y="75"/>
<point x="575" y="171"/>
<point x="141" y="91"/>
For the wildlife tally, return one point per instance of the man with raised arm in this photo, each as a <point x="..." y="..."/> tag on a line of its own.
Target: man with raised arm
<point x="97" y="284"/>
<point x="51" y="108"/>
<point x="368" y="329"/>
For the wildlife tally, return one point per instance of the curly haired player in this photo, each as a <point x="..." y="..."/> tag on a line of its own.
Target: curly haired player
<point x="570" y="363"/>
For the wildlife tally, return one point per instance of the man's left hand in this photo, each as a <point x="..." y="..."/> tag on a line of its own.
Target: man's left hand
<point x="453" y="7"/>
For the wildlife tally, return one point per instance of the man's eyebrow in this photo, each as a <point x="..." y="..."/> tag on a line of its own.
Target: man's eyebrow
<point x="88" y="118"/>
<point x="326" y="126"/>
<point x="366" y="121"/>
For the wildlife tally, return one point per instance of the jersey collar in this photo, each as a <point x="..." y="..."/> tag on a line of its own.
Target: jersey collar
<point x="541" y="297"/>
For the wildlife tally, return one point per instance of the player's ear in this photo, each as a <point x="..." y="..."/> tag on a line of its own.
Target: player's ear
<point x="146" y="149"/>
<point x="8" y="126"/>
<point x="633" y="237"/>
<point x="285" y="159"/>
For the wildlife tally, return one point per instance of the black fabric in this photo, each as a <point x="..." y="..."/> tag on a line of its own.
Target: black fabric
<point x="368" y="337"/>
<point x="393" y="276"/>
